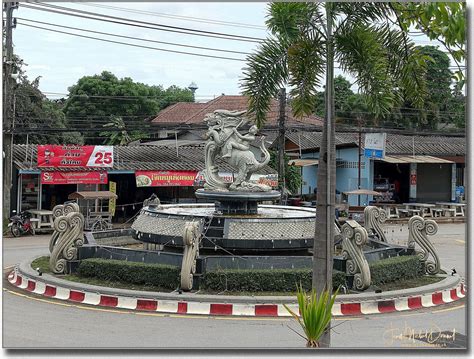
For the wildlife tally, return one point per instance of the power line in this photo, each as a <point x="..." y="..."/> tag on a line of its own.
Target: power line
<point x="135" y="45"/>
<point x="143" y="24"/>
<point x="179" y="17"/>
<point x="135" y="38"/>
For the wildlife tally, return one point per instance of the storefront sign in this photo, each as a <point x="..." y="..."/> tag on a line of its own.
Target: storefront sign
<point x="164" y="178"/>
<point x="375" y="145"/>
<point x="228" y="177"/>
<point x="75" y="156"/>
<point x="112" y="201"/>
<point x="94" y="177"/>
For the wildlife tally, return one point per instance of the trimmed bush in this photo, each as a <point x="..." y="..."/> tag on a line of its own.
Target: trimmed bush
<point x="263" y="280"/>
<point x="164" y="276"/>
<point x="396" y="268"/>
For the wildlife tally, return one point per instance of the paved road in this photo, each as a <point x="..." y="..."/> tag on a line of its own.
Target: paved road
<point x="36" y="322"/>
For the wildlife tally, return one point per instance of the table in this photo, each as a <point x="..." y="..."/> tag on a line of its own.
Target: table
<point x="422" y="209"/>
<point x="457" y="209"/>
<point x="42" y="219"/>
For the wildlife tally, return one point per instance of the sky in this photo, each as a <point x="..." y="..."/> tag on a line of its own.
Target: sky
<point x="62" y="59"/>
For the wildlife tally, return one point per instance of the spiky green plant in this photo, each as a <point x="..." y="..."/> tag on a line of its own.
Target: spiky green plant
<point x="315" y="314"/>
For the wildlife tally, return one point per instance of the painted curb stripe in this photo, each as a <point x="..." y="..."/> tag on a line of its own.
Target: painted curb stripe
<point x="220" y="309"/>
<point x="50" y="291"/>
<point x="437" y="298"/>
<point x="350" y="309"/>
<point x="263" y="310"/>
<point x="108" y="301"/>
<point x="76" y="296"/>
<point x="266" y="310"/>
<point x="31" y="286"/>
<point x="144" y="304"/>
<point x="387" y="306"/>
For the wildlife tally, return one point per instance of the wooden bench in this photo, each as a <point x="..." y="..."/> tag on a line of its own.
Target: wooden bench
<point x="449" y="212"/>
<point x="437" y="211"/>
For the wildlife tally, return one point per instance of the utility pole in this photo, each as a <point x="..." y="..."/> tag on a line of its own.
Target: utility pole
<point x="281" y="140"/>
<point x="9" y="24"/>
<point x="358" y="164"/>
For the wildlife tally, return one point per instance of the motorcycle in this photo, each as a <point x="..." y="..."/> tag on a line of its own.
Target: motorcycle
<point x="21" y="224"/>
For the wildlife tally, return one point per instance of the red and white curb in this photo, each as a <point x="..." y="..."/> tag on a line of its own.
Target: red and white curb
<point x="252" y="310"/>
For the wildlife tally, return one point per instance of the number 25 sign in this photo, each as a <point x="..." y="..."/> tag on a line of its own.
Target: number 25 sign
<point x="75" y="156"/>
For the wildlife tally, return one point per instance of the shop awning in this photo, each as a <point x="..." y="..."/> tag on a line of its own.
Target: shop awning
<point x="92" y="195"/>
<point x="303" y="162"/>
<point x="413" y="159"/>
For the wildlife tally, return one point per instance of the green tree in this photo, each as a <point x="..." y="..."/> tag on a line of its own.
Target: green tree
<point x="342" y="91"/>
<point x="292" y="173"/>
<point x="306" y="39"/>
<point x="93" y="99"/>
<point x="442" y="21"/>
<point x="35" y="114"/>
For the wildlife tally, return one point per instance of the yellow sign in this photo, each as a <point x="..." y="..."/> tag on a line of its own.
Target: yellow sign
<point x="112" y="188"/>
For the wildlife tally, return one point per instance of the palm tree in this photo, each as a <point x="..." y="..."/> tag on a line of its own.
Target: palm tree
<point x="117" y="133"/>
<point x="306" y="38"/>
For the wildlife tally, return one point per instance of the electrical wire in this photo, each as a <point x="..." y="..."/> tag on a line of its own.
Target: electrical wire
<point x="135" y="38"/>
<point x="179" y="17"/>
<point x="141" y="24"/>
<point x="134" y="45"/>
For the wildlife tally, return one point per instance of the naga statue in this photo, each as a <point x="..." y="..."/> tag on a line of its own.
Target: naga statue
<point x="225" y="142"/>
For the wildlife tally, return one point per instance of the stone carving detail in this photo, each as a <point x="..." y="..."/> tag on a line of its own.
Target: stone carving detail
<point x="373" y="218"/>
<point x="191" y="239"/>
<point x="68" y="235"/>
<point x="419" y="230"/>
<point x="61" y="210"/>
<point x="354" y="237"/>
<point x="153" y="201"/>
<point x="226" y="142"/>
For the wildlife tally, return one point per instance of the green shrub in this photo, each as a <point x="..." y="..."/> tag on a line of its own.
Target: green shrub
<point x="395" y="268"/>
<point x="130" y="272"/>
<point x="263" y="280"/>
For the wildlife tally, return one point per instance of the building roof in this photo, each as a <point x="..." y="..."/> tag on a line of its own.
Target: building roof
<point x="396" y="144"/>
<point x="134" y="158"/>
<point x="194" y="113"/>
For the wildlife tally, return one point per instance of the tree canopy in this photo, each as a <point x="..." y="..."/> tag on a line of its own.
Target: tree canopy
<point x="94" y="99"/>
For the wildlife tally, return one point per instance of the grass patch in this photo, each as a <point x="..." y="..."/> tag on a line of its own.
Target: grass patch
<point x="410" y="283"/>
<point x="42" y="263"/>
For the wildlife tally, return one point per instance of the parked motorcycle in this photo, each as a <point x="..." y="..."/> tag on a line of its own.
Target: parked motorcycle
<point x="21" y="224"/>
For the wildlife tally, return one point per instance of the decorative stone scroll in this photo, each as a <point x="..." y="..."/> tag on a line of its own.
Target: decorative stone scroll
<point x="191" y="239"/>
<point x="354" y="237"/>
<point x="58" y="211"/>
<point x="374" y="217"/>
<point x="419" y="230"/>
<point x="68" y="235"/>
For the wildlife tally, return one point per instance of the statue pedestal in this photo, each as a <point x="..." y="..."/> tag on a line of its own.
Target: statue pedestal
<point x="235" y="202"/>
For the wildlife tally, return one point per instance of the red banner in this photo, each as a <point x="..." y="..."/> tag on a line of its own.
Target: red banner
<point x="75" y="156"/>
<point x="164" y="178"/>
<point x="94" y="177"/>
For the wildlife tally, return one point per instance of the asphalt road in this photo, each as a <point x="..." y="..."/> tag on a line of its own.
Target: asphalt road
<point x="34" y="322"/>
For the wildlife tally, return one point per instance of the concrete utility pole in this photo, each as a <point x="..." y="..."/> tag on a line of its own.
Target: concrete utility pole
<point x="281" y="140"/>
<point x="9" y="24"/>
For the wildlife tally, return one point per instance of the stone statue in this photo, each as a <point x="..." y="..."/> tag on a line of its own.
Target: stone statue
<point x="374" y="217"/>
<point x="226" y="142"/>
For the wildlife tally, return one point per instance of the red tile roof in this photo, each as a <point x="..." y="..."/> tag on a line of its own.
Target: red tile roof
<point x="194" y="113"/>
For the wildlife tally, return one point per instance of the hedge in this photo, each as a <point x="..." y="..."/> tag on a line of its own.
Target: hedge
<point x="161" y="275"/>
<point x="263" y="280"/>
<point x="242" y="280"/>
<point x="396" y="268"/>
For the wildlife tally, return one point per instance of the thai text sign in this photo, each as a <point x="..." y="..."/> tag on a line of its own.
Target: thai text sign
<point x="94" y="177"/>
<point x="75" y="156"/>
<point x="375" y="145"/>
<point x="164" y="178"/>
<point x="112" y="201"/>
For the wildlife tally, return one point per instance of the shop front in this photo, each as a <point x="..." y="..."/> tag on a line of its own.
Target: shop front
<point x="415" y="178"/>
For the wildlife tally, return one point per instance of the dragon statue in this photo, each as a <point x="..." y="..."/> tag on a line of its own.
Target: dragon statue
<point x="225" y="142"/>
